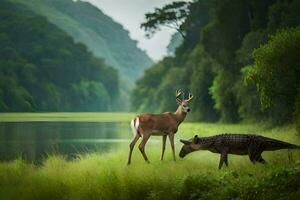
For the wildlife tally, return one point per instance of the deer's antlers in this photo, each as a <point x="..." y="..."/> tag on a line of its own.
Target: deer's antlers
<point x="190" y="97"/>
<point x="178" y="93"/>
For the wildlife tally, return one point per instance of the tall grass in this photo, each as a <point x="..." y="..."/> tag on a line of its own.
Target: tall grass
<point x="106" y="176"/>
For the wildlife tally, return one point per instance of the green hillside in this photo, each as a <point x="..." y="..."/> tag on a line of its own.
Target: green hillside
<point x="240" y="59"/>
<point x="176" y="41"/>
<point x="104" y="37"/>
<point x="43" y="69"/>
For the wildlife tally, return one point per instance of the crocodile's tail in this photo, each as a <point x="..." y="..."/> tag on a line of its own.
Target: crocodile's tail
<point x="273" y="144"/>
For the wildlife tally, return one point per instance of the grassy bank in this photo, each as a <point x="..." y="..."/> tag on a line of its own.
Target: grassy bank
<point x="106" y="176"/>
<point x="67" y="117"/>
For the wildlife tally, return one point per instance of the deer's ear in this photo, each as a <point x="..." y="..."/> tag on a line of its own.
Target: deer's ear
<point x="178" y="101"/>
<point x="185" y="142"/>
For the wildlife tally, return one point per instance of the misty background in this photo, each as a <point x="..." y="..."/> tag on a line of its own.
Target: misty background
<point x="238" y="58"/>
<point x="131" y="13"/>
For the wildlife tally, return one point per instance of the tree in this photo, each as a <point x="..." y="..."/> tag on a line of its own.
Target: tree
<point x="277" y="66"/>
<point x="215" y="62"/>
<point x="43" y="69"/>
<point x="171" y="15"/>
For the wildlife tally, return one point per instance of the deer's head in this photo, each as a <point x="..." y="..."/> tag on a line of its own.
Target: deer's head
<point x="183" y="103"/>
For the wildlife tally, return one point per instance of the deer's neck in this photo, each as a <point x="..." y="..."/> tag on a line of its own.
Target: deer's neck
<point x="180" y="115"/>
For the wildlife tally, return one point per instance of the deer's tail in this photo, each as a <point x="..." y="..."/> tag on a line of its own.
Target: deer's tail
<point x="134" y="126"/>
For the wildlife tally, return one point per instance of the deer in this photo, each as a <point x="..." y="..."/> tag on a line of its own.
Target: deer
<point x="163" y="124"/>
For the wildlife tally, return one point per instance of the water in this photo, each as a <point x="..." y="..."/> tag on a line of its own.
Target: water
<point x="33" y="141"/>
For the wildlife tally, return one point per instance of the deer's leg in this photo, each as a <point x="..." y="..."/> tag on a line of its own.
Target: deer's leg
<point x="164" y="139"/>
<point x="145" y="138"/>
<point x="131" y="146"/>
<point x="171" y="138"/>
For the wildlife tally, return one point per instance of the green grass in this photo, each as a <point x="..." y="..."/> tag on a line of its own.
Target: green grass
<point x="106" y="176"/>
<point x="67" y="117"/>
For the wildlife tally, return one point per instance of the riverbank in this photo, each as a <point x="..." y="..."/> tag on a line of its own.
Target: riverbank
<point x="67" y="117"/>
<point x="106" y="176"/>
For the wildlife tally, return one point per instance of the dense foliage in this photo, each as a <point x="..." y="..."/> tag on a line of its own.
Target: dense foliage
<point x="176" y="41"/>
<point x="104" y="37"/>
<point x="171" y="15"/>
<point x="240" y="59"/>
<point x="277" y="65"/>
<point x="43" y="69"/>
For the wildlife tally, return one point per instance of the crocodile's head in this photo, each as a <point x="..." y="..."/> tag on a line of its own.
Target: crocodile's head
<point x="189" y="146"/>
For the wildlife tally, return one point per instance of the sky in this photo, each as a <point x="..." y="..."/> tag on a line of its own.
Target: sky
<point x="130" y="13"/>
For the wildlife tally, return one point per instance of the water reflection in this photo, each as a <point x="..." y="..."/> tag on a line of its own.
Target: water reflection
<point x="34" y="140"/>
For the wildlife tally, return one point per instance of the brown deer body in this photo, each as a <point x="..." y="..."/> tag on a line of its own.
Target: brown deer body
<point x="164" y="124"/>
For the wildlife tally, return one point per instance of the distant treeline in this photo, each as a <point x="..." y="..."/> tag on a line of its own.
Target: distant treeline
<point x="104" y="37"/>
<point x="240" y="59"/>
<point x="65" y="55"/>
<point x="43" y="69"/>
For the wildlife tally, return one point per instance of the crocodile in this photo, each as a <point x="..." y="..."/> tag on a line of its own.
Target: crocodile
<point x="239" y="144"/>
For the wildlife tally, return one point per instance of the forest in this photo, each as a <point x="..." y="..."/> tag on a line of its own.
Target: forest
<point x="54" y="59"/>
<point x="104" y="37"/>
<point x="240" y="59"/>
<point x="68" y="72"/>
<point x="43" y="69"/>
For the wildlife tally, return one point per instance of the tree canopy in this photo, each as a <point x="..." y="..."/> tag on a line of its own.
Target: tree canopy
<point x="43" y="69"/>
<point x="171" y="15"/>
<point x="239" y="59"/>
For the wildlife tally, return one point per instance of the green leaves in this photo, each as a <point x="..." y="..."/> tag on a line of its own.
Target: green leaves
<point x="218" y="63"/>
<point x="171" y="15"/>
<point x="90" y="96"/>
<point x="43" y="69"/>
<point x="277" y="65"/>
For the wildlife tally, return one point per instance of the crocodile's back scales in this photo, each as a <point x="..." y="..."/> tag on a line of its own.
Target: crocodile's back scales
<point x="233" y="143"/>
<point x="243" y="144"/>
<point x="240" y="144"/>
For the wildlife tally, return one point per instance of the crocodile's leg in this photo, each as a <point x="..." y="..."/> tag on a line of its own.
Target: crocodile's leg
<point x="254" y="151"/>
<point x="251" y="153"/>
<point x="256" y="157"/>
<point x="223" y="158"/>
<point x="261" y="160"/>
<point x="226" y="160"/>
